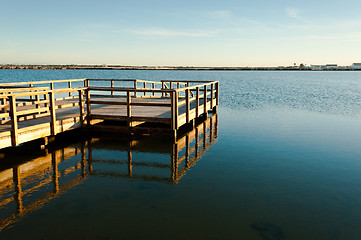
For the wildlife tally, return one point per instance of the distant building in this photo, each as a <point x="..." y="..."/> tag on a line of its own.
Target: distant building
<point x="318" y="67"/>
<point x="331" y="66"/>
<point x="356" y="66"/>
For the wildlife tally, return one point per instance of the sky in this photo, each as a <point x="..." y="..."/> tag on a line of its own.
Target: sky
<point x="180" y="33"/>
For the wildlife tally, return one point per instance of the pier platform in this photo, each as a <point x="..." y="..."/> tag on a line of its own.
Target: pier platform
<point x="42" y="109"/>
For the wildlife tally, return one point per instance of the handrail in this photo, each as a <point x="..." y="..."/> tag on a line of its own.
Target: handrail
<point x="42" y="82"/>
<point x="7" y="90"/>
<point x="118" y="89"/>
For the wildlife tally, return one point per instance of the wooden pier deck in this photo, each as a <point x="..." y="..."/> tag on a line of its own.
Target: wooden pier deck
<point x="33" y="110"/>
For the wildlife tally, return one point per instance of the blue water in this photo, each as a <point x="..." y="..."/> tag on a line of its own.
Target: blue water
<point x="286" y="165"/>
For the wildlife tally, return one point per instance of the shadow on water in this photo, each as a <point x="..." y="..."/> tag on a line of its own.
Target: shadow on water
<point x="268" y="231"/>
<point x="30" y="180"/>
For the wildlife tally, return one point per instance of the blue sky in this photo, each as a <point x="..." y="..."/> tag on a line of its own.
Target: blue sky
<point x="187" y="33"/>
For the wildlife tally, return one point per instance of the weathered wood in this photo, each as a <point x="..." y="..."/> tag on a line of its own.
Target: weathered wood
<point x="40" y="82"/>
<point x="53" y="129"/>
<point x="183" y="106"/>
<point x="217" y="93"/>
<point x="69" y="86"/>
<point x="129" y="109"/>
<point x="135" y="87"/>
<point x="81" y="107"/>
<point x="133" y="103"/>
<point x="197" y="101"/>
<point x="212" y="95"/>
<point x="187" y="105"/>
<point x="205" y="101"/>
<point x="14" y="121"/>
<point x="88" y="107"/>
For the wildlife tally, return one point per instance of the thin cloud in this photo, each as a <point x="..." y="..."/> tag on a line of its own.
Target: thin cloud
<point x="295" y="14"/>
<point x="171" y="33"/>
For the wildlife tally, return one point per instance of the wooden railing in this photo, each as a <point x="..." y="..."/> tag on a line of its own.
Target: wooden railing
<point x="15" y="110"/>
<point x="24" y="101"/>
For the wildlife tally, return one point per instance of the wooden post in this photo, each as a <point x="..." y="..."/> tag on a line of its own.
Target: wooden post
<point x="197" y="102"/>
<point x="14" y="122"/>
<point x="145" y="87"/>
<point x="205" y="102"/>
<point x="162" y="88"/>
<point x="51" y="86"/>
<point x="112" y="85"/>
<point x="129" y="108"/>
<point x="3" y="108"/>
<point x="69" y="86"/>
<point x="174" y="110"/>
<point x="31" y="85"/>
<point x="52" y="114"/>
<point x="81" y="107"/>
<point x="187" y="105"/>
<point x="88" y="107"/>
<point x="212" y="95"/>
<point x="217" y="93"/>
<point x="153" y="86"/>
<point x="135" y="87"/>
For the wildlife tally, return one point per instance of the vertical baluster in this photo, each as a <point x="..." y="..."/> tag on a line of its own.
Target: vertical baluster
<point x="129" y="109"/>
<point x="53" y="129"/>
<point x="81" y="107"/>
<point x="14" y="122"/>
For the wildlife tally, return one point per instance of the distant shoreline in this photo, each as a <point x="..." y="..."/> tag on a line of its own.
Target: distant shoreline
<point x="100" y="67"/>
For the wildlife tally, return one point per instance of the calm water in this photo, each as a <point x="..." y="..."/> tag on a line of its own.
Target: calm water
<point x="281" y="160"/>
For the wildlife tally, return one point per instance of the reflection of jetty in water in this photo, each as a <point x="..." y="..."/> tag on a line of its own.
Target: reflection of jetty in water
<point x="28" y="186"/>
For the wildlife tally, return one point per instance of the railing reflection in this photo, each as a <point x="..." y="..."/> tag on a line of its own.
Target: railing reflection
<point x="28" y="186"/>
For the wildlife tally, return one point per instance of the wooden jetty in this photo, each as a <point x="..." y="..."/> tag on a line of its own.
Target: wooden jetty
<point x="42" y="109"/>
<point x="59" y="170"/>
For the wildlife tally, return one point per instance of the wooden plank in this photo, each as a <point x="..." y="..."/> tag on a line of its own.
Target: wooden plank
<point x="132" y="103"/>
<point x="32" y="111"/>
<point x="133" y="118"/>
<point x="14" y="122"/>
<point x="4" y="115"/>
<point x="118" y="89"/>
<point x="40" y="82"/>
